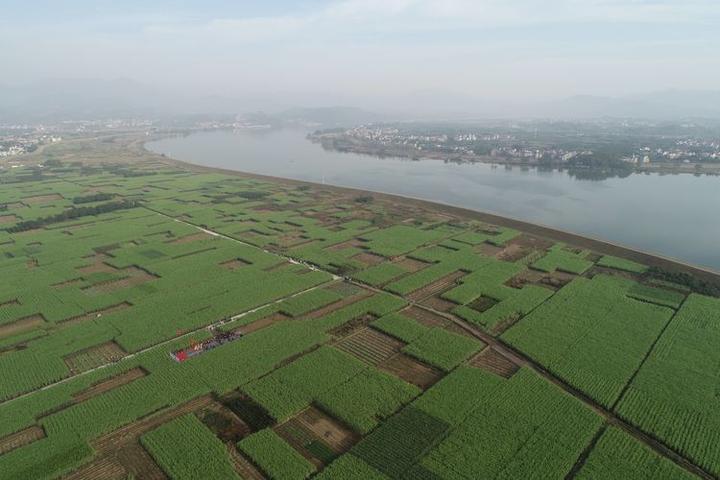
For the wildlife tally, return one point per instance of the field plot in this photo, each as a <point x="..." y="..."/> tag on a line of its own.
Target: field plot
<point x="618" y="455"/>
<point x="114" y="268"/>
<point x="675" y="394"/>
<point x="477" y="425"/>
<point x="591" y="334"/>
<point x="185" y="447"/>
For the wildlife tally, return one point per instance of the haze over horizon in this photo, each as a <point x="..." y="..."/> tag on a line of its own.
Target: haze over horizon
<point x="357" y="49"/>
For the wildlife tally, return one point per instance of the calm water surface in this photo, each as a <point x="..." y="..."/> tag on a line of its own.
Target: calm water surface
<point x="671" y="215"/>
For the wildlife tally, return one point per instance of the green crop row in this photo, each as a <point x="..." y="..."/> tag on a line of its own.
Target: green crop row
<point x="184" y="448"/>
<point x="275" y="457"/>
<point x="674" y="395"/>
<point x="591" y="334"/>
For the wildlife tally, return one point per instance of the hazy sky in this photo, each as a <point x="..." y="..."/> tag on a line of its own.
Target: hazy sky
<point x="486" y="48"/>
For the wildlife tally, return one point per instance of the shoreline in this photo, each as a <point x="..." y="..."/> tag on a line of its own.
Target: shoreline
<point x="712" y="170"/>
<point x="598" y="245"/>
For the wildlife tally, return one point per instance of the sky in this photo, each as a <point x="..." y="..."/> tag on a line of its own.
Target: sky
<point x="360" y="49"/>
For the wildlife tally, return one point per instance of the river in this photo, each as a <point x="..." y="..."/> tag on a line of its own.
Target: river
<point x="675" y="216"/>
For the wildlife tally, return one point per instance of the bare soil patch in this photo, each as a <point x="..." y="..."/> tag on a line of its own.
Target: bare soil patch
<point x="262" y="323"/>
<point x="353" y="325"/>
<point x="92" y="357"/>
<point x="97" y="265"/>
<point x="411" y="370"/>
<point x="525" y="277"/>
<point x="68" y="283"/>
<point x="38" y="199"/>
<point x="557" y="279"/>
<point x="96" y="313"/>
<point x="513" y="253"/>
<point x="21" y="325"/>
<point x="369" y="259"/>
<point x="105" y="468"/>
<point x="10" y="303"/>
<point x="110" y="384"/>
<point x="234" y="264"/>
<point x="193" y="237"/>
<point x="223" y="422"/>
<point x="317" y="436"/>
<point x="439" y="304"/>
<point x="370" y="346"/>
<point x="436" y="287"/>
<point x="483" y="303"/>
<point x="494" y="362"/>
<point x="353" y="243"/>
<point x="277" y="266"/>
<point x="19" y="439"/>
<point x="430" y="319"/>
<point x="328" y="309"/>
<point x="487" y="249"/>
<point x="242" y="465"/>
<point x="134" y="276"/>
<point x="8" y="218"/>
<point x="122" y="446"/>
<point x="411" y="264"/>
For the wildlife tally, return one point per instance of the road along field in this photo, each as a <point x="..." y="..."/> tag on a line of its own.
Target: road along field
<point x="158" y="322"/>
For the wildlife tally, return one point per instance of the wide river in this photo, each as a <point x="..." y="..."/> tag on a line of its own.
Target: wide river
<point x="675" y="216"/>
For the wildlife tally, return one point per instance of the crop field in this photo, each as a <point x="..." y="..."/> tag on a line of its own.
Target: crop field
<point x="330" y="335"/>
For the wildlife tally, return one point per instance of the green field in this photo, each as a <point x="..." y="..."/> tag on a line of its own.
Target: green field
<point x="154" y="318"/>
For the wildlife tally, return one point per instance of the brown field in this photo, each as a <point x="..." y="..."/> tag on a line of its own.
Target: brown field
<point x="312" y="426"/>
<point x="109" y="384"/>
<point x="262" y="323"/>
<point x="494" y="362"/>
<point x="487" y="249"/>
<point x="191" y="238"/>
<point x="242" y="465"/>
<point x="97" y="265"/>
<point x="321" y="312"/>
<point x="19" y="439"/>
<point x="369" y="259"/>
<point x="135" y="276"/>
<point x="354" y="325"/>
<point x="21" y="325"/>
<point x="513" y="253"/>
<point x="93" y="357"/>
<point x="557" y="279"/>
<point x="411" y="370"/>
<point x="528" y="276"/>
<point x="370" y="346"/>
<point x="483" y="303"/>
<point x="278" y="266"/>
<point x="38" y="199"/>
<point x="355" y="242"/>
<point x="234" y="264"/>
<point x="439" y="304"/>
<point x="122" y="447"/>
<point x="105" y="468"/>
<point x="96" y="314"/>
<point x="8" y="218"/>
<point x="436" y="287"/>
<point x="9" y="303"/>
<point x="411" y="264"/>
<point x="68" y="283"/>
<point x="224" y="423"/>
<point x="430" y="319"/>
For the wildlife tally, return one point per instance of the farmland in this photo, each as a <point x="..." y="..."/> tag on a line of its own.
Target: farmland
<point x="159" y="321"/>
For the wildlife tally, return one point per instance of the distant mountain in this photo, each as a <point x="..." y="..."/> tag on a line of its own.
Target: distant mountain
<point x="659" y="105"/>
<point x="329" y="117"/>
<point x="84" y="99"/>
